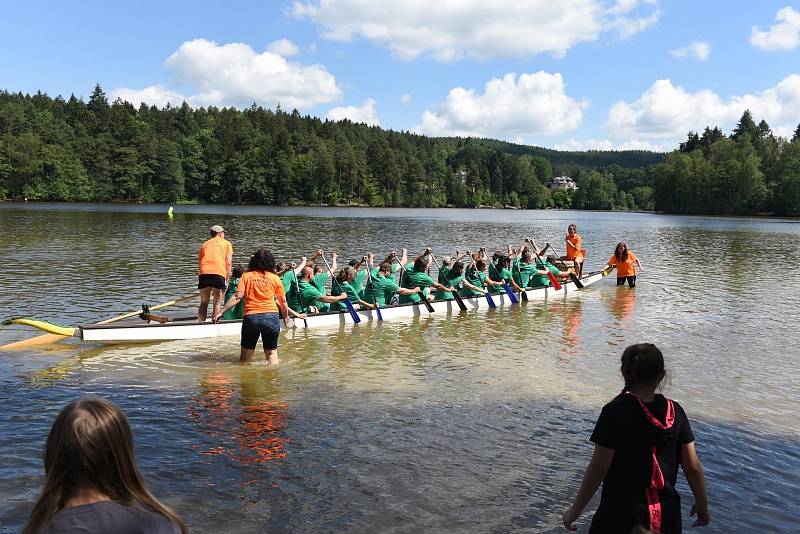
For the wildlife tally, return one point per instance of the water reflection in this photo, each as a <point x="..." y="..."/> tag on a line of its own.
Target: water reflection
<point x="248" y="422"/>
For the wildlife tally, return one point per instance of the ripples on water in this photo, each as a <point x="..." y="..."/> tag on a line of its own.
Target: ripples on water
<point x="475" y="423"/>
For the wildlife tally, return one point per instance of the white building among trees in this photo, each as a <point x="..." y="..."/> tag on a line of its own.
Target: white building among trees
<point x="563" y="182"/>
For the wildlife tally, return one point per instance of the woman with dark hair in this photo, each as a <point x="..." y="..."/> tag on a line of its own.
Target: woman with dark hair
<point x="264" y="297"/>
<point x="92" y="482"/>
<point x="624" y="259"/>
<point x="641" y="438"/>
<point x="344" y="285"/>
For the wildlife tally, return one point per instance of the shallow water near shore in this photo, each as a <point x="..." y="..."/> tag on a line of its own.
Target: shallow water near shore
<point x="467" y="423"/>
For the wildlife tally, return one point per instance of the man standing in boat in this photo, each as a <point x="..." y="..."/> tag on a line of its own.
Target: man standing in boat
<point x="215" y="259"/>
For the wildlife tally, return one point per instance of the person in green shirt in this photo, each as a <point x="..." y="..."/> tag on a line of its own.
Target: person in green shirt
<point x="540" y="278"/>
<point x="475" y="281"/>
<point x="415" y="275"/>
<point x="382" y="286"/>
<point x="237" y="312"/>
<point x="320" y="276"/>
<point x="500" y="271"/>
<point x="304" y="297"/>
<point x="344" y="285"/>
<point x="523" y="269"/>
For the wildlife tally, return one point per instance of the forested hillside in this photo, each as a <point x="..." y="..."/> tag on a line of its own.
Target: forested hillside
<point x="70" y="150"/>
<point x="57" y="149"/>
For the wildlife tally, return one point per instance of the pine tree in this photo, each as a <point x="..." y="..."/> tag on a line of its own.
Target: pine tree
<point x="746" y="126"/>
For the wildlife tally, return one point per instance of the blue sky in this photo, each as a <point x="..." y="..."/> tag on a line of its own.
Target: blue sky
<point x="570" y="74"/>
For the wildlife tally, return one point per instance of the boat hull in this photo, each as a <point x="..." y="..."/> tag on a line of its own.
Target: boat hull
<point x="145" y="333"/>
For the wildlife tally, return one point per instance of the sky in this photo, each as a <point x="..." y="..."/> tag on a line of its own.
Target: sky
<point x="567" y="74"/>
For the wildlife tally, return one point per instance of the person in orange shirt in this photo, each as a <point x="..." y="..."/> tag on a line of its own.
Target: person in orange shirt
<point x="264" y="297"/>
<point x="215" y="258"/>
<point x="575" y="251"/>
<point x="623" y="259"/>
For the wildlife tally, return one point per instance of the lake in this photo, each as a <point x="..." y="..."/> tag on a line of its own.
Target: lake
<point x="473" y="423"/>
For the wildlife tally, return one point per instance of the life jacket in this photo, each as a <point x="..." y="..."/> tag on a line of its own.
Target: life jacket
<point x="656" y="476"/>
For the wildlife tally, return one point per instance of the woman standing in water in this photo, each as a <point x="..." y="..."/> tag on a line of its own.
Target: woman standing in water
<point x="264" y="297"/>
<point x="640" y="439"/>
<point x="92" y="482"/>
<point x="624" y="259"/>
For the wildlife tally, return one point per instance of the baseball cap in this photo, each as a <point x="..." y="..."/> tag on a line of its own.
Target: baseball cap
<point x="217" y="228"/>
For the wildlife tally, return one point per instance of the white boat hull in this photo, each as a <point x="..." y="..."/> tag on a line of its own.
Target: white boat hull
<point x="144" y="333"/>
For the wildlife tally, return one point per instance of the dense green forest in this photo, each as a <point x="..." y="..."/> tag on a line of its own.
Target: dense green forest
<point x="56" y="149"/>
<point x="71" y="150"/>
<point x="751" y="171"/>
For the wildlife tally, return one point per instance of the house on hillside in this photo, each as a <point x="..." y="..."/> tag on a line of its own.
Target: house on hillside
<point x="563" y="182"/>
<point x="460" y="176"/>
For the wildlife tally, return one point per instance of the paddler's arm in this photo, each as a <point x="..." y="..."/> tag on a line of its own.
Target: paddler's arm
<point x="334" y="266"/>
<point x="299" y="267"/>
<point x="330" y="299"/>
<point x="228" y="264"/>
<point x="595" y="473"/>
<point x="473" y="287"/>
<point x="233" y="301"/>
<point x="403" y="256"/>
<point x="406" y="291"/>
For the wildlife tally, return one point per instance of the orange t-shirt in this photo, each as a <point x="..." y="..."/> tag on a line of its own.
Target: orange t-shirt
<point x="577" y="250"/>
<point x="260" y="290"/>
<point x="213" y="255"/>
<point x="624" y="268"/>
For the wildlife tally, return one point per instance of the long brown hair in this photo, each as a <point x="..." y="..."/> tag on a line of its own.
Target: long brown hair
<point x="90" y="447"/>
<point x="621" y="256"/>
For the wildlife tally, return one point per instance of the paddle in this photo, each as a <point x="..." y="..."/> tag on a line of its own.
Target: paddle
<point x="523" y="294"/>
<point x="551" y="276"/>
<point x="423" y="298"/>
<point x="46" y="339"/>
<point x="347" y="303"/>
<point x="510" y="292"/>
<point x="489" y="299"/>
<point x="572" y="276"/>
<point x="455" y="294"/>
<point x="372" y="290"/>
<point x="299" y="296"/>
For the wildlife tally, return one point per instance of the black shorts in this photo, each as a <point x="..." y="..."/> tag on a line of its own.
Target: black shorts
<point x="211" y="280"/>
<point x="265" y="325"/>
<point x="631" y="280"/>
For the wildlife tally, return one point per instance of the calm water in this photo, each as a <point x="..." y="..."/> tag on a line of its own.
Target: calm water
<point x="476" y="423"/>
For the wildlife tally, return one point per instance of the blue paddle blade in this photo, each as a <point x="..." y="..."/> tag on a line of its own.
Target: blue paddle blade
<point x="490" y="301"/>
<point x="378" y="312"/>
<point x="352" y="310"/>
<point x="511" y="296"/>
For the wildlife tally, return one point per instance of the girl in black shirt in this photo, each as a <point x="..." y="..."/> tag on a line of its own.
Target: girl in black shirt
<point x="640" y="439"/>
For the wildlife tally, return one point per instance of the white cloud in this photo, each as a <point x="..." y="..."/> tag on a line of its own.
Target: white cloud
<point x="405" y="99"/>
<point x="784" y="35"/>
<point x="283" y="47"/>
<point x="666" y="112"/>
<point x="606" y="144"/>
<point x="510" y="106"/>
<point x="234" y="74"/>
<point x="698" y="50"/>
<point x="154" y="95"/>
<point x="451" y="29"/>
<point x="365" y="113"/>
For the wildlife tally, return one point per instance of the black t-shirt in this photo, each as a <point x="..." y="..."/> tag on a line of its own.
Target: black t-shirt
<point x="109" y="517"/>
<point x="624" y="427"/>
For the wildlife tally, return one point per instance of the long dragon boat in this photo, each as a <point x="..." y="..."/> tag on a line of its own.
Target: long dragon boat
<point x="159" y="328"/>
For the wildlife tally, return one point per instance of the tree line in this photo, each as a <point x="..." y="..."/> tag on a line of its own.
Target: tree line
<point x="70" y="150"/>
<point x="59" y="149"/>
<point x="749" y="172"/>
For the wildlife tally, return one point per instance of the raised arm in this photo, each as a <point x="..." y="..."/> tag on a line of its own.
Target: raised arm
<point x="334" y="266"/>
<point x="595" y="473"/>
<point x="299" y="267"/>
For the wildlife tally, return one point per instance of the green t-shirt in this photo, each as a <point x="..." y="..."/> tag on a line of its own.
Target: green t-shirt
<point x="475" y="278"/>
<point x="237" y="312"/>
<point x="319" y="281"/>
<point x="385" y="287"/>
<point x="349" y="290"/>
<point x="541" y="280"/>
<point x="309" y="294"/>
<point x="446" y="278"/>
<point x="287" y="279"/>
<point x="411" y="279"/>
<point x="499" y="275"/>
<point x="523" y="272"/>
